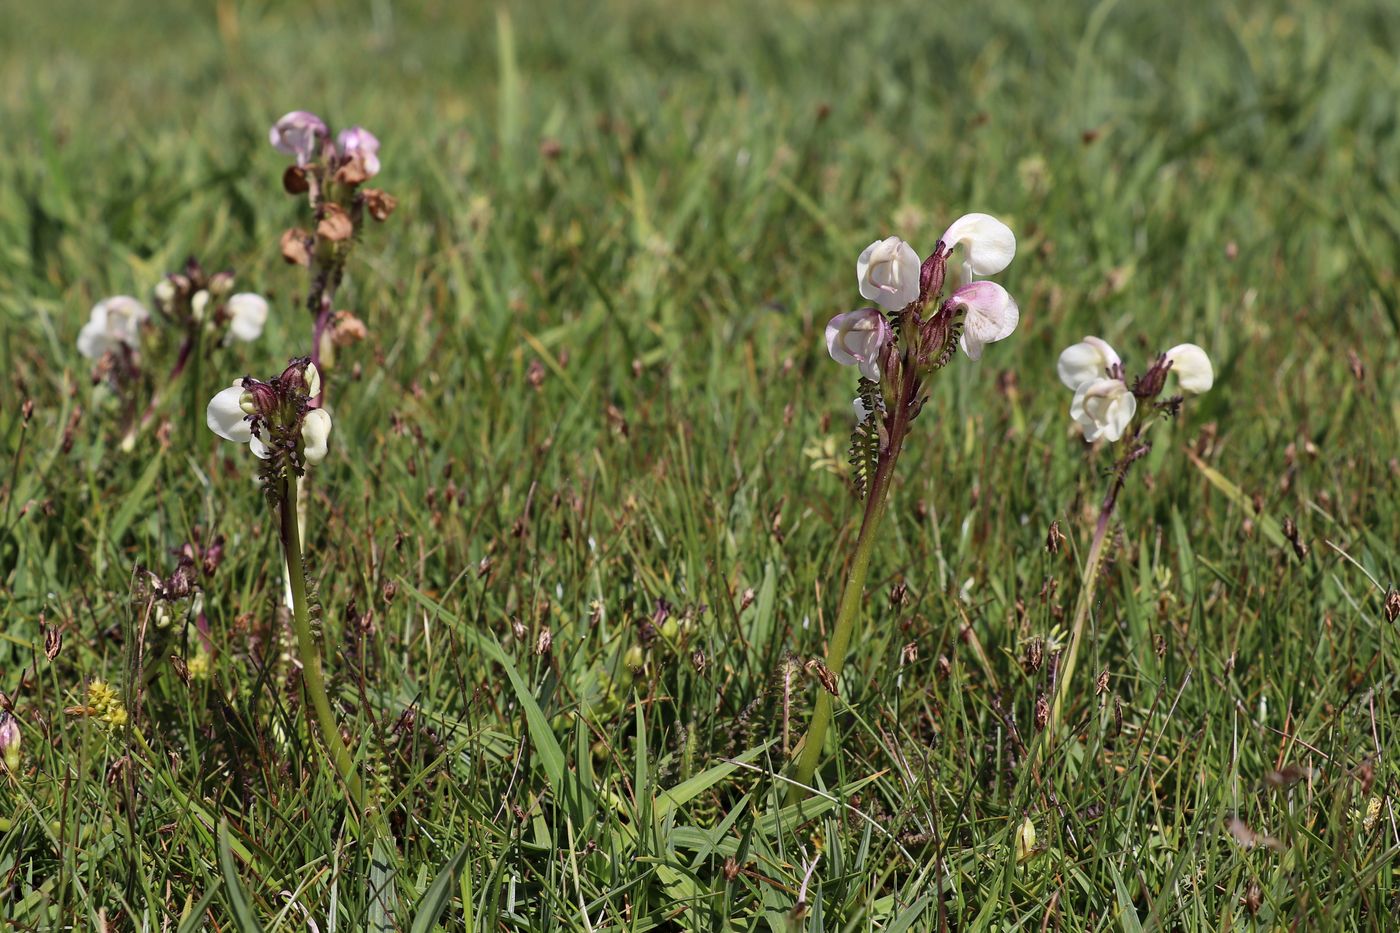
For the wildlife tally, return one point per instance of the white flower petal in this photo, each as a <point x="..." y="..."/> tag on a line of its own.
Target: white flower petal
<point x="247" y="315"/>
<point x="888" y="273"/>
<point x="225" y="416"/>
<point x="992" y="315"/>
<point x="260" y="450"/>
<point x="93" y="340"/>
<point x="1086" y="361"/>
<point x="315" y="433"/>
<point x="1192" y="368"/>
<point x="1103" y="408"/>
<point x="856" y="338"/>
<point x="988" y="244"/>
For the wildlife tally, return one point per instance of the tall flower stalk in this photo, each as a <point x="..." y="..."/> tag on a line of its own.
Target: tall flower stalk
<point x="287" y="435"/>
<point x="1104" y="406"/>
<point x="897" y="345"/>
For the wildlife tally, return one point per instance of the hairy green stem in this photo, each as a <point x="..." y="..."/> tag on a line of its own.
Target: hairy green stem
<point x="848" y="613"/>
<point x="312" y="680"/>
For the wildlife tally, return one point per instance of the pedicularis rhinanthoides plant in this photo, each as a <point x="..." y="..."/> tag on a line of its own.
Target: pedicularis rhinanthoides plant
<point x="284" y="419"/>
<point x="193" y="305"/>
<point x="287" y="434"/>
<point x="913" y="332"/>
<point x="1104" y="407"/>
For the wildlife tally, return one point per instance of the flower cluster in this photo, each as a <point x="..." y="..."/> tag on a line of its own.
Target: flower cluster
<point x="113" y="327"/>
<point x="192" y="298"/>
<point x="103" y="704"/>
<point x="890" y="274"/>
<point x="275" y="419"/>
<point x="331" y="172"/>
<point x="1104" y="402"/>
<point x="911" y="330"/>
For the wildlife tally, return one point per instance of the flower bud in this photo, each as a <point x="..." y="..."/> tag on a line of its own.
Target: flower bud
<point x="299" y="134"/>
<point x="164" y="294"/>
<point x="888" y="271"/>
<point x="248" y="403"/>
<point x="198" y="304"/>
<point x="311" y="378"/>
<point x="221" y="283"/>
<point x="10" y="740"/>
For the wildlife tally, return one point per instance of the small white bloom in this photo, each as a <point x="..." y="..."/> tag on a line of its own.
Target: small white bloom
<point x="227" y="414"/>
<point x="856" y="338"/>
<point x="247" y="314"/>
<point x="888" y="272"/>
<point x="988" y="244"/>
<point x="112" y="323"/>
<point x="1103" y="408"/>
<point x="992" y="315"/>
<point x="861" y="411"/>
<point x="1192" y="368"/>
<point x="1086" y="361"/>
<point x="315" y="433"/>
<point x="359" y="141"/>
<point x="298" y="134"/>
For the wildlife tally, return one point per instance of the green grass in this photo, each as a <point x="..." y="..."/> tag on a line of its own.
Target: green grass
<point x="1227" y="174"/>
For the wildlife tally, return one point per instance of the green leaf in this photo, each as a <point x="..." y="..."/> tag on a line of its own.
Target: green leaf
<point x="238" y="904"/>
<point x="439" y="894"/>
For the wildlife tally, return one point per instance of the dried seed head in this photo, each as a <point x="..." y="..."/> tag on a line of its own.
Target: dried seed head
<point x="746" y="600"/>
<point x="545" y="641"/>
<point x="380" y="204"/>
<point x="909" y="654"/>
<point x="1034" y="656"/>
<point x="53" y="642"/>
<point x="1392" y="605"/>
<point x="1101" y="683"/>
<point x="294" y="248"/>
<point x="899" y="595"/>
<point x="943" y="667"/>
<point x="1290" y="531"/>
<point x="1042" y="712"/>
<point x="818" y="669"/>
<point x="1055" y="538"/>
<point x="335" y="224"/>
<point x="1289" y="775"/>
<point x="1253" y="897"/>
<point x="697" y="661"/>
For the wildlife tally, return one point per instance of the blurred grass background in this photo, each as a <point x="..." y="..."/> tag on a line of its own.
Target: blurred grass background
<point x="659" y="205"/>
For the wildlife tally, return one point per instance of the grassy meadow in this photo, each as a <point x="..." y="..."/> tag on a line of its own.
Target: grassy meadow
<point x="587" y="513"/>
